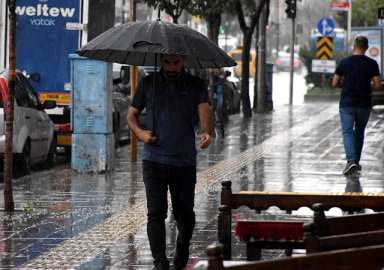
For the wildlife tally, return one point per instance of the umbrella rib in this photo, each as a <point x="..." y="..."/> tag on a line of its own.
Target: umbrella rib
<point x="145" y="58"/>
<point x="198" y="61"/>
<point x="125" y="58"/>
<point x="106" y="59"/>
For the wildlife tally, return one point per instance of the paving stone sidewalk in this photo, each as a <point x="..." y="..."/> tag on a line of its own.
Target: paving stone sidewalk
<point x="97" y="221"/>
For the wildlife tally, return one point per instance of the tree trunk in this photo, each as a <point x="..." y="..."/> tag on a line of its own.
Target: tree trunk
<point x="247" y="40"/>
<point x="9" y="205"/>
<point x="214" y="28"/>
<point x="213" y="34"/>
<point x="256" y="79"/>
<point x="261" y="71"/>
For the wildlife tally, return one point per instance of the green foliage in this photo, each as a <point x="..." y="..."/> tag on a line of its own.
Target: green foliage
<point x="205" y="9"/>
<point x="30" y="208"/>
<point x="174" y="8"/>
<point x="201" y="8"/>
<point x="364" y="13"/>
<point x="331" y="90"/>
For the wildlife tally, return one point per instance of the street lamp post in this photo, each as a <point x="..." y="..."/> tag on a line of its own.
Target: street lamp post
<point x="349" y="20"/>
<point x="226" y="35"/>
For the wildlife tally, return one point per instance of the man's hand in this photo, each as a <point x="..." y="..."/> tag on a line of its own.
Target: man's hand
<point x="133" y="122"/>
<point x="146" y="136"/>
<point x="336" y="82"/>
<point x="205" y="140"/>
<point x="206" y="120"/>
<point x="376" y="86"/>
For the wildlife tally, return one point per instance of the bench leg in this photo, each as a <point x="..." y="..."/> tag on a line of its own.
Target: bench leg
<point x="288" y="252"/>
<point x="253" y="252"/>
<point x="224" y="231"/>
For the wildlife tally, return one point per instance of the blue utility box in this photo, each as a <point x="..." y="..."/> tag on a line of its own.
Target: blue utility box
<point x="91" y="115"/>
<point x="93" y="152"/>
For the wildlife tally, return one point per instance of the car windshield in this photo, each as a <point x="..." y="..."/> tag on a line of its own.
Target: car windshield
<point x="288" y="57"/>
<point x="237" y="57"/>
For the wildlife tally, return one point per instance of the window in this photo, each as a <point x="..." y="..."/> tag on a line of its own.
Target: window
<point x="34" y="101"/>
<point x="21" y="95"/>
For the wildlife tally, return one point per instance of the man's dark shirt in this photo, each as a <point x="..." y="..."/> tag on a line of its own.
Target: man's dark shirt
<point x="358" y="71"/>
<point x="176" y="116"/>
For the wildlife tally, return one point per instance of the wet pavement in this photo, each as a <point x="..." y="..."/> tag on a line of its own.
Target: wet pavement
<point x="98" y="221"/>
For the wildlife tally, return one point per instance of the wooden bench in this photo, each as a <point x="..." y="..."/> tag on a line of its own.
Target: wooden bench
<point x="333" y="233"/>
<point x="288" y="201"/>
<point x="370" y="258"/>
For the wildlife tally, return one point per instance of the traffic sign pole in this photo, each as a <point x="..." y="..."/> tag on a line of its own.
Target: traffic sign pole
<point x="291" y="71"/>
<point x="349" y="21"/>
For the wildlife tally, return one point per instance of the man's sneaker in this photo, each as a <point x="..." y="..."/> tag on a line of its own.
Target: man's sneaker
<point x="358" y="167"/>
<point x="351" y="165"/>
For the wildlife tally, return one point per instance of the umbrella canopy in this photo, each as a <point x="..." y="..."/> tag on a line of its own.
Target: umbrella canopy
<point x="139" y="43"/>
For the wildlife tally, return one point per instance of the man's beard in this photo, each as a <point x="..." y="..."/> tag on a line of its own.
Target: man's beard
<point x="173" y="74"/>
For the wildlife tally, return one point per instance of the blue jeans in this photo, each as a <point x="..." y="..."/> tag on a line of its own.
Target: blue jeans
<point x="181" y="181"/>
<point x="353" y="123"/>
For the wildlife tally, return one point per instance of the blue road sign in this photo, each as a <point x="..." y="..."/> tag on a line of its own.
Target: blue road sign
<point x="325" y="26"/>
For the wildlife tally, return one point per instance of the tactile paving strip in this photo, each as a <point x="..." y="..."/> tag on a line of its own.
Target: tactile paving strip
<point x="88" y="245"/>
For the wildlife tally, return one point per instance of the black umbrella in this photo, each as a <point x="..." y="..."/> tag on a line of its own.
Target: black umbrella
<point x="140" y="43"/>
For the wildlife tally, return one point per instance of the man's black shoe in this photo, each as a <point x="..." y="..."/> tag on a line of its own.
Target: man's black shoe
<point x="181" y="256"/>
<point x="162" y="265"/>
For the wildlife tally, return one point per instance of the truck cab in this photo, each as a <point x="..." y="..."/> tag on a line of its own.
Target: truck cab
<point x="47" y="33"/>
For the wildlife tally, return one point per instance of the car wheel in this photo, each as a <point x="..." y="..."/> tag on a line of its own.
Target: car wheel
<point x="52" y="154"/>
<point x="23" y="164"/>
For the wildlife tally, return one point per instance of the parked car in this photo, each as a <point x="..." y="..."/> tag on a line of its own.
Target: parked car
<point x="122" y="100"/>
<point x="237" y="56"/>
<point x="283" y="62"/>
<point x="34" y="135"/>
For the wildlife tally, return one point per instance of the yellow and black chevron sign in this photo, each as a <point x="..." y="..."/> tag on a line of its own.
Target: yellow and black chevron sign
<point x="324" y="48"/>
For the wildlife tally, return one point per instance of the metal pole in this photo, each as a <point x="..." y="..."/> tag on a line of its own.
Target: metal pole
<point x="133" y="138"/>
<point x="277" y="11"/>
<point x="349" y="21"/>
<point x="291" y="72"/>
<point x="123" y="12"/>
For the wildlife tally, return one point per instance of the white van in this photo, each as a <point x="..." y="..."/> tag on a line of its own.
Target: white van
<point x="34" y="135"/>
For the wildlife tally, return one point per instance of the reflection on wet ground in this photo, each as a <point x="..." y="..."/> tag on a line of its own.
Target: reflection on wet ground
<point x="97" y="221"/>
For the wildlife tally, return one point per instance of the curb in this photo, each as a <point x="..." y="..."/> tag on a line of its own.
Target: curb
<point x="321" y="97"/>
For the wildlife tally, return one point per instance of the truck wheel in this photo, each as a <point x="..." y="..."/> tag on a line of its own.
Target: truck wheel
<point x="23" y="164"/>
<point x="68" y="153"/>
<point x="52" y="154"/>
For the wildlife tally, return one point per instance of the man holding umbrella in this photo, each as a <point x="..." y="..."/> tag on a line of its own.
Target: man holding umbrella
<point x="178" y="103"/>
<point x="175" y="102"/>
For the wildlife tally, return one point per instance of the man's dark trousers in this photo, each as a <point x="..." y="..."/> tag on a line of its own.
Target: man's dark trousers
<point x="181" y="181"/>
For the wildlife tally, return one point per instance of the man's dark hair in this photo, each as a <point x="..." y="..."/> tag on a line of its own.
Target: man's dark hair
<point x="361" y="42"/>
